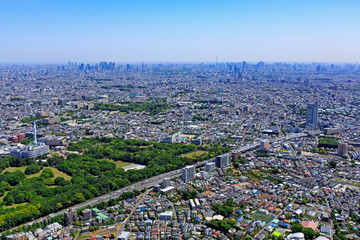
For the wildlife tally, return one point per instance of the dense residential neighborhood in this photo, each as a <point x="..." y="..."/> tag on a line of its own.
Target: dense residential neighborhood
<point x="180" y="151"/>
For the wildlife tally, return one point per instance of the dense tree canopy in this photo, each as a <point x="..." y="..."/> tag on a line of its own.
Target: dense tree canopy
<point x="309" y="233"/>
<point x="32" y="168"/>
<point x="297" y="227"/>
<point x="92" y="174"/>
<point x="328" y="143"/>
<point x="154" y="106"/>
<point x="226" y="209"/>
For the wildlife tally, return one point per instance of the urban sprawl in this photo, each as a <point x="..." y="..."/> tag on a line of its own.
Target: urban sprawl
<point x="180" y="151"/>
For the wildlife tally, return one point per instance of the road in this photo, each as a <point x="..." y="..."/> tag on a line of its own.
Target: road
<point x="288" y="137"/>
<point x="332" y="230"/>
<point x="152" y="181"/>
<point x="129" y="216"/>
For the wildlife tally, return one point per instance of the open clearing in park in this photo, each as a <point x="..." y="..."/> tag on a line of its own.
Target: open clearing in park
<point x="118" y="163"/>
<point x="56" y="172"/>
<point x="193" y="154"/>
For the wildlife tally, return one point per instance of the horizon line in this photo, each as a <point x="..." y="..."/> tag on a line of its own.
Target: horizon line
<point x="177" y="62"/>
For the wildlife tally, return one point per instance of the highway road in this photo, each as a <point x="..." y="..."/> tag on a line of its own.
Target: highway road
<point x="153" y="181"/>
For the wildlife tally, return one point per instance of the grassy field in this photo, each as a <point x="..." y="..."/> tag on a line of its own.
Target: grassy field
<point x="56" y="172"/>
<point x="13" y="169"/>
<point x="99" y="232"/>
<point x="16" y="205"/>
<point x="261" y="217"/>
<point x="193" y="154"/>
<point x="119" y="163"/>
<point x="2" y="197"/>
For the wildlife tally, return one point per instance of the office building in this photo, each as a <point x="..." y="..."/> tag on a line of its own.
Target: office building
<point x="342" y="148"/>
<point x="264" y="145"/>
<point x="29" y="151"/>
<point x="210" y="166"/>
<point x="312" y="115"/>
<point x="35" y="149"/>
<point x="188" y="173"/>
<point x="222" y="161"/>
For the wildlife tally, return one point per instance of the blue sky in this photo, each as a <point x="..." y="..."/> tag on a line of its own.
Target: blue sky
<point x="185" y="31"/>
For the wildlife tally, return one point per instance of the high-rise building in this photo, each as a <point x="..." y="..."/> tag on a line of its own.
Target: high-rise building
<point x="222" y="161"/>
<point x="69" y="217"/>
<point x="246" y="109"/>
<point x="188" y="173"/>
<point x="166" y="182"/>
<point x="342" y="148"/>
<point x="264" y="145"/>
<point x="312" y="115"/>
<point x="86" y="214"/>
<point x="209" y="166"/>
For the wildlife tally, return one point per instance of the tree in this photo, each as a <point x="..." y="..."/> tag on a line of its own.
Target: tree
<point x="32" y="169"/>
<point x="91" y="175"/>
<point x="242" y="160"/>
<point x="5" y="186"/>
<point x="309" y="233"/>
<point x="47" y="173"/>
<point x="60" y="181"/>
<point x="59" y="205"/>
<point x="297" y="227"/>
<point x="236" y="163"/>
<point x="332" y="164"/>
<point x="79" y="197"/>
<point x="13" y="178"/>
<point x="9" y="200"/>
<point x="328" y="143"/>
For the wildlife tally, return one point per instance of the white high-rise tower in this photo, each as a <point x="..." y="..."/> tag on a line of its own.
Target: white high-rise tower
<point x="35" y="133"/>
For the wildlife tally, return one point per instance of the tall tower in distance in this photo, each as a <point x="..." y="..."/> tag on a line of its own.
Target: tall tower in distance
<point x="216" y="64"/>
<point x="312" y="115"/>
<point x="35" y="133"/>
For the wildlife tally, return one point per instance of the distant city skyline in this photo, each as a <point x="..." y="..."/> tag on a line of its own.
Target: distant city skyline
<point x="179" y="31"/>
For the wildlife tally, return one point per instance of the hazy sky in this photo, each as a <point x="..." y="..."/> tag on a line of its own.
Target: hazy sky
<point x="179" y="30"/>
